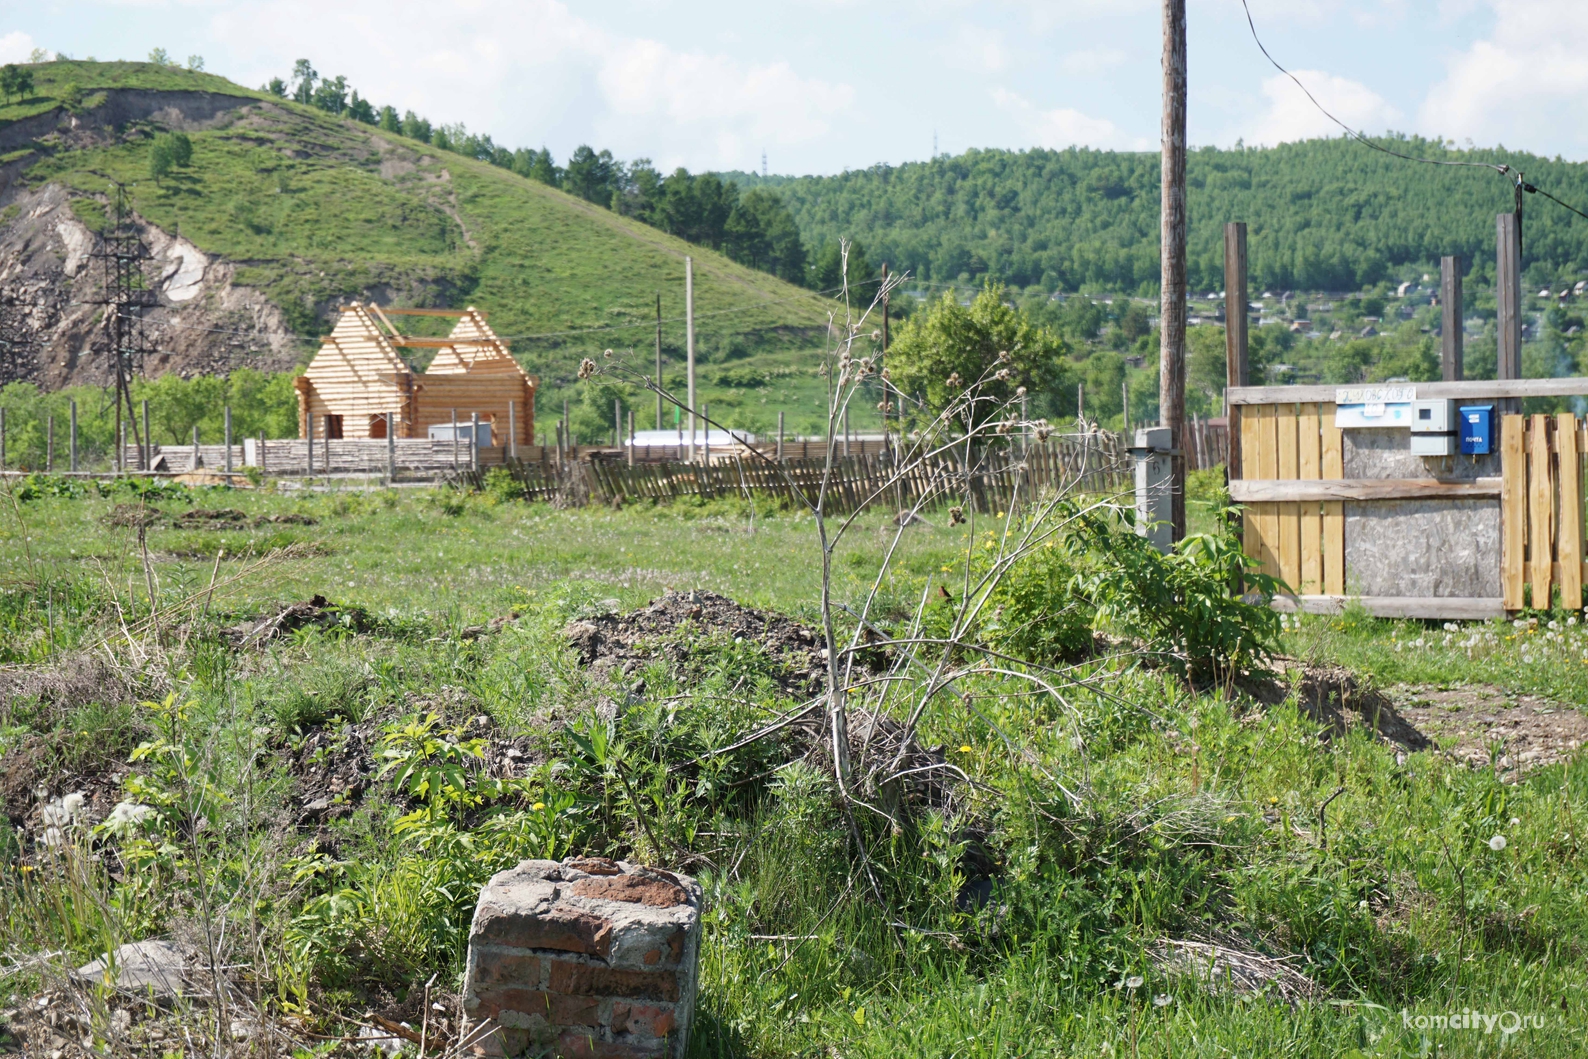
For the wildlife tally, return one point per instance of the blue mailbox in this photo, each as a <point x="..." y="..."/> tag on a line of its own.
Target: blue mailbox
<point x="1477" y="429"/>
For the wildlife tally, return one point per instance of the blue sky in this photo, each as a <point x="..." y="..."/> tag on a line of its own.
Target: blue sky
<point x="824" y="85"/>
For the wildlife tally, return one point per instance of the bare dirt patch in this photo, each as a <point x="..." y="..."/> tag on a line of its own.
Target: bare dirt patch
<point x="1483" y="725"/>
<point x="625" y="643"/>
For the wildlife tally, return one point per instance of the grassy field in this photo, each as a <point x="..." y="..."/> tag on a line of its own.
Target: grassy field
<point x="314" y="209"/>
<point x="1432" y="888"/>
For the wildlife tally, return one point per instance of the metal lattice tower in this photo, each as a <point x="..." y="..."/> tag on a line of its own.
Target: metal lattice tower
<point x="121" y="254"/>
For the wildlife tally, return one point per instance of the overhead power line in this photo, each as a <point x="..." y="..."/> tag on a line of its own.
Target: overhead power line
<point x="1499" y="167"/>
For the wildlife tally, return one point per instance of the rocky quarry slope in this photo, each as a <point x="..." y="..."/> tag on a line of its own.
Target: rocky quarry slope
<point x="53" y="274"/>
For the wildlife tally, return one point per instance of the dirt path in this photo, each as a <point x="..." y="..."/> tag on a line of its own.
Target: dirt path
<point x="1480" y="724"/>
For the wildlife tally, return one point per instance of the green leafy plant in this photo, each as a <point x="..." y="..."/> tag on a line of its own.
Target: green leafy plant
<point x="1179" y="605"/>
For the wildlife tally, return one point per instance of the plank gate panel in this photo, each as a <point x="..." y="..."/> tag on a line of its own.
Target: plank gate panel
<point x="1297" y="534"/>
<point x="1300" y="542"/>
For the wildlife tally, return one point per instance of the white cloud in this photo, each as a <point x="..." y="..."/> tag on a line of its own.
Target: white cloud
<point x="975" y="48"/>
<point x="1290" y="115"/>
<point x="15" y="47"/>
<point x="524" y="71"/>
<point x="1089" y="62"/>
<point x="1522" y="85"/>
<point x="1063" y="126"/>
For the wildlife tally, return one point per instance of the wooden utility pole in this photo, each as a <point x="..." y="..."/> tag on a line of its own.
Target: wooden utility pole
<point x="658" y="360"/>
<point x="885" y="360"/>
<point x="1235" y="333"/>
<point x="689" y="345"/>
<point x="1171" y="312"/>
<point x="1508" y="295"/>
<point x="1451" y="337"/>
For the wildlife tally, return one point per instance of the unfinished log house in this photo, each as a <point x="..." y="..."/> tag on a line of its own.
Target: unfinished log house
<point x="359" y="386"/>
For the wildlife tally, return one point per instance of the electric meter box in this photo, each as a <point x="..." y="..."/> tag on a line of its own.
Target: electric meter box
<point x="1434" y="427"/>
<point x="1477" y="429"/>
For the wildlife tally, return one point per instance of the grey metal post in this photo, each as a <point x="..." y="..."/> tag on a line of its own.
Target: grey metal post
<point x="474" y="441"/>
<point x="121" y="447"/>
<point x="228" y="417"/>
<point x="148" y="439"/>
<point x="1155" y="485"/>
<point x="49" y="444"/>
<point x="261" y="452"/>
<point x="617" y="421"/>
<point x="512" y="430"/>
<point x="391" y="446"/>
<point x="846" y="430"/>
<point x="689" y="345"/>
<point x="780" y="436"/>
<point x="630" y="445"/>
<point x="195" y="448"/>
<point x="71" y="442"/>
<point x="310" y="419"/>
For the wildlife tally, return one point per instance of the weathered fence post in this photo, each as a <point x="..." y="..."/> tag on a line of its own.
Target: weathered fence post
<point x="780" y="437"/>
<point x="72" y="436"/>
<point x="474" y="441"/>
<point x="49" y="444"/>
<point x="630" y="445"/>
<point x="228" y="419"/>
<point x="148" y="439"/>
<point x="391" y="446"/>
<point x="512" y="430"/>
<point x="261" y="451"/>
<point x="196" y="458"/>
<point x="1235" y="333"/>
<point x="309" y="419"/>
<point x="1451" y="337"/>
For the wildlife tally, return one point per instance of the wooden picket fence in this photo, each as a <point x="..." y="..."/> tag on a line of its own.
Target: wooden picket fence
<point x="1541" y="509"/>
<point x="990" y="479"/>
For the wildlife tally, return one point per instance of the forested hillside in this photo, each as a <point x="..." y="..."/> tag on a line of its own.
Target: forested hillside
<point x="1323" y="215"/>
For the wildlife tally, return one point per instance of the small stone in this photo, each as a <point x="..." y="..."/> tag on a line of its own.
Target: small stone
<point x="152" y="966"/>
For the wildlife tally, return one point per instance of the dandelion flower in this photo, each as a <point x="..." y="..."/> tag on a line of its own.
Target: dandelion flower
<point x="964" y="750"/>
<point x="538" y="806"/>
<point x="1497" y="843"/>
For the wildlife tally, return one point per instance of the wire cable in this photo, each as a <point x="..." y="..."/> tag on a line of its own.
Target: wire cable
<point x="1498" y="168"/>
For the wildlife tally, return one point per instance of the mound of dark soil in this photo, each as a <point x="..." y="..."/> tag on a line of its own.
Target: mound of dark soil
<point x="315" y="611"/>
<point x="206" y="518"/>
<point x="666" y="628"/>
<point x="1331" y="695"/>
<point x="131" y="516"/>
<point x="288" y="519"/>
<point x="31" y="776"/>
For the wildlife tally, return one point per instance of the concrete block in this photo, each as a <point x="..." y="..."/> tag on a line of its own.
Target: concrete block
<point x="584" y="957"/>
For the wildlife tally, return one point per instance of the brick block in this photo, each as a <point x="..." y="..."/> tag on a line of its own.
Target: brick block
<point x="584" y="957"/>
<point x="596" y="979"/>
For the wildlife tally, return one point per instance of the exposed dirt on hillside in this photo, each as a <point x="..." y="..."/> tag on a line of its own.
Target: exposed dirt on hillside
<point x="1332" y="696"/>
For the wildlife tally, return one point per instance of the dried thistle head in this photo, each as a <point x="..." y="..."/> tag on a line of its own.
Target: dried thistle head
<point x="1042" y="429"/>
<point x="876" y="336"/>
<point x="1020" y="391"/>
<point x="953" y="381"/>
<point x="1003" y="375"/>
<point x="1004" y="357"/>
<point x="885" y="376"/>
<point x="587" y="368"/>
<point x="607" y="354"/>
<point x="956" y="515"/>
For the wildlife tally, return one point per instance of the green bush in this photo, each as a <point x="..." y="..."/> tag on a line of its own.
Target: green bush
<point x="1179" y="606"/>
<point x="1034" y="614"/>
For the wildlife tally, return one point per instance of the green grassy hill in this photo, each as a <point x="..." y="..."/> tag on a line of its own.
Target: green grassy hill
<point x="315" y="209"/>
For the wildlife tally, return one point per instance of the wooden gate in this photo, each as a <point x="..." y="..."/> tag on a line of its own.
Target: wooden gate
<point x="1340" y="514"/>
<point x="1541" y="509"/>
